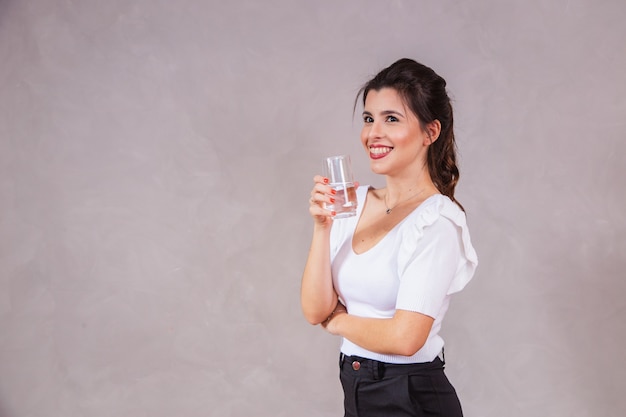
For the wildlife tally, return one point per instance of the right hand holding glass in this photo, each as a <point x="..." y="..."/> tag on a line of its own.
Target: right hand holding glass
<point x="321" y="193"/>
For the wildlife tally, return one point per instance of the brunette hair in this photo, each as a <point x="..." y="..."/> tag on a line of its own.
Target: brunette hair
<point x="424" y="92"/>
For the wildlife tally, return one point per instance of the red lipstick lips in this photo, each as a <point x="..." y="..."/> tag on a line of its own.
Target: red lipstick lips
<point x="378" y="151"/>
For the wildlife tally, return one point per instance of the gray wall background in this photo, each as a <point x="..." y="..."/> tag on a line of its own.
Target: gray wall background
<point x="155" y="164"/>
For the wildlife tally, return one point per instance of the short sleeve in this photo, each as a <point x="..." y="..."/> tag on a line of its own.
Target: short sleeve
<point x="436" y="257"/>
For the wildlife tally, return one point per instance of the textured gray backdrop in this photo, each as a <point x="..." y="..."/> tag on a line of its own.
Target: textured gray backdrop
<point x="155" y="164"/>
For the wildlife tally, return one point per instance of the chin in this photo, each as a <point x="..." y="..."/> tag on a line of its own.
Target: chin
<point x="376" y="168"/>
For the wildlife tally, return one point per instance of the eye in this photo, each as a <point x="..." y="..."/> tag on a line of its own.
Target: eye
<point x="392" y="119"/>
<point x="368" y="119"/>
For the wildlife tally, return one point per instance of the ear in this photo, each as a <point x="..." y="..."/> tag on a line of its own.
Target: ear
<point x="433" y="129"/>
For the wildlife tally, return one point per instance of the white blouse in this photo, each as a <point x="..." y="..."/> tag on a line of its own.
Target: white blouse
<point x="417" y="266"/>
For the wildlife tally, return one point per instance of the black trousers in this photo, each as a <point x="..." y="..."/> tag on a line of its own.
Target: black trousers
<point x="378" y="389"/>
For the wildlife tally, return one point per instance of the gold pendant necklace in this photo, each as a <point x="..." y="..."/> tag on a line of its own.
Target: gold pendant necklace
<point x="388" y="211"/>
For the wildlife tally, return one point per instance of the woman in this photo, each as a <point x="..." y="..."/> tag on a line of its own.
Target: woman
<point x="383" y="279"/>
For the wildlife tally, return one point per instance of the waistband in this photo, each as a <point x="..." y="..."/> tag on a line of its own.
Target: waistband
<point x="359" y="366"/>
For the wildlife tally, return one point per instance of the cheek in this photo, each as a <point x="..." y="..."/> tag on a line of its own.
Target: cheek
<point x="363" y="140"/>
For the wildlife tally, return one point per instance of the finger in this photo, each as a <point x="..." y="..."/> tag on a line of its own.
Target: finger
<point x="322" y="193"/>
<point x="320" y="179"/>
<point x="316" y="198"/>
<point x="320" y="213"/>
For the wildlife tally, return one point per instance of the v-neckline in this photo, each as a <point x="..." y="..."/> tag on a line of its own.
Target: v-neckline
<point x="390" y="231"/>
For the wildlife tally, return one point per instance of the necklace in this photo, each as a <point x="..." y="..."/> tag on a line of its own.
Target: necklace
<point x="403" y="201"/>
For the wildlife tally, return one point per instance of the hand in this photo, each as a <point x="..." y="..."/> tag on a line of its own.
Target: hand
<point x="322" y="193"/>
<point x="330" y="324"/>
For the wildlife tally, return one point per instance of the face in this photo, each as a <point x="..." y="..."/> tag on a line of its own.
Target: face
<point x="392" y="134"/>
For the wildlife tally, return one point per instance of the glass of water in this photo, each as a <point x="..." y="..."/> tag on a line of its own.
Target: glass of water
<point x="338" y="170"/>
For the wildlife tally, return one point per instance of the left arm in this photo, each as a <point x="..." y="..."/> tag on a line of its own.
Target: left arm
<point x="403" y="334"/>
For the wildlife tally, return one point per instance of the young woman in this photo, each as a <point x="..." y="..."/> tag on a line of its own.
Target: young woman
<point x="383" y="279"/>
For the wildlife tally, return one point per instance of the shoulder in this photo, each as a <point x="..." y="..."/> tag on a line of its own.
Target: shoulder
<point x="367" y="192"/>
<point x="437" y="219"/>
<point x="439" y="224"/>
<point x="362" y="192"/>
<point x="437" y="211"/>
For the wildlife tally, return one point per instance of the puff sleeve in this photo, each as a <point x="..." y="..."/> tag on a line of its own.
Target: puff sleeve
<point x="436" y="257"/>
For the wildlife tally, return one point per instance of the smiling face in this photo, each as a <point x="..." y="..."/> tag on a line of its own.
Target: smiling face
<point x="392" y="135"/>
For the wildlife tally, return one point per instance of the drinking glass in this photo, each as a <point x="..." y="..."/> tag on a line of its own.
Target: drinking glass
<point x="338" y="170"/>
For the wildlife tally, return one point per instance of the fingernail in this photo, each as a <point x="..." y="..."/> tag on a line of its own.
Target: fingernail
<point x="325" y="180"/>
<point x="333" y="213"/>
<point x="333" y="192"/>
<point x="332" y="200"/>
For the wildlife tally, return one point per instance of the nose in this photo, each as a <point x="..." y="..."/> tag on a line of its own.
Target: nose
<point x="374" y="130"/>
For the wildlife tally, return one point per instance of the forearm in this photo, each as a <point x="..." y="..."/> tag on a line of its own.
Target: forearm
<point x="318" y="297"/>
<point x="404" y="334"/>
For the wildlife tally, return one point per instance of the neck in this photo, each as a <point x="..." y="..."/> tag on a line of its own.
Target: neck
<point x="399" y="189"/>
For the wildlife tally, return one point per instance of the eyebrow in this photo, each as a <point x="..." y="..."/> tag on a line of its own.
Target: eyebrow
<point x="384" y="113"/>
